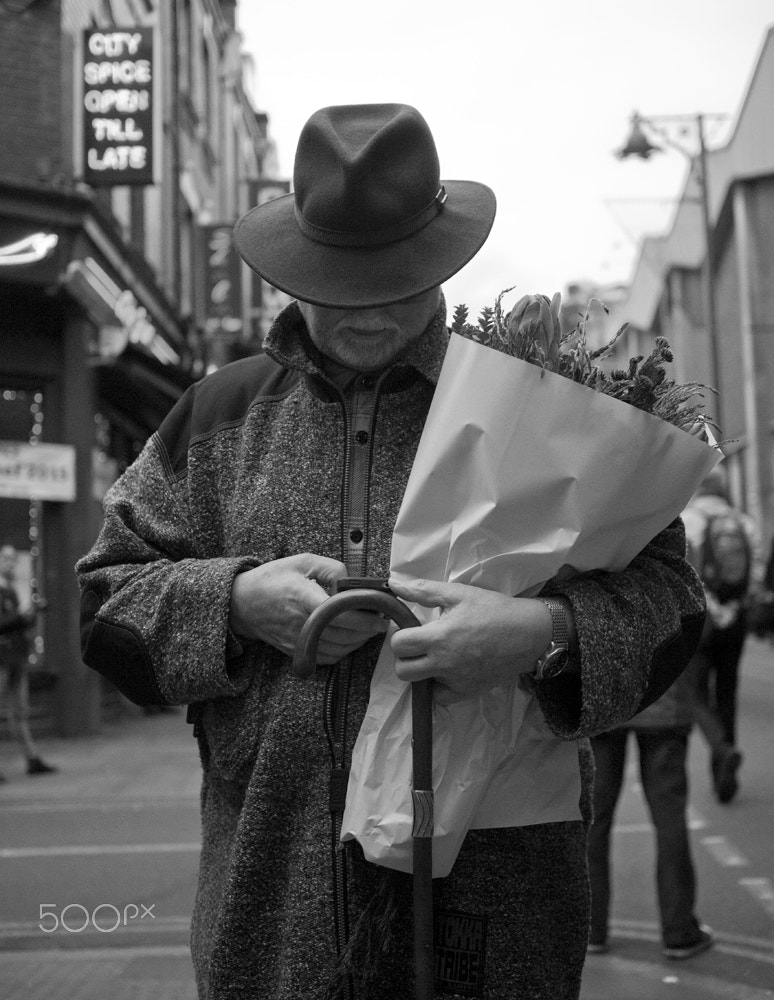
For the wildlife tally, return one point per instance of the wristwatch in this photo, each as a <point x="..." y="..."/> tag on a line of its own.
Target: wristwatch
<point x="555" y="659"/>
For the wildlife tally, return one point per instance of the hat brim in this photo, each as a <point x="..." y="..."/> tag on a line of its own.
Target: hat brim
<point x="270" y="242"/>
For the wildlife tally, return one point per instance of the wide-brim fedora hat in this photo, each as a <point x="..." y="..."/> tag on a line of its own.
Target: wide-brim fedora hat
<point x="369" y="221"/>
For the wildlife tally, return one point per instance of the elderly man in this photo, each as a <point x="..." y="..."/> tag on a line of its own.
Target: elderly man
<point x="277" y="476"/>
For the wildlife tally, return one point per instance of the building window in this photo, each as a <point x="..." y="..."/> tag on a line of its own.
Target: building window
<point x="21" y="519"/>
<point x="185" y="34"/>
<point x="206" y="106"/>
<point x="137" y="217"/>
<point x="187" y="269"/>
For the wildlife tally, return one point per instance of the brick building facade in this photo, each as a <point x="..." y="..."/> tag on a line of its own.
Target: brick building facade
<point x="104" y="314"/>
<point x="667" y="293"/>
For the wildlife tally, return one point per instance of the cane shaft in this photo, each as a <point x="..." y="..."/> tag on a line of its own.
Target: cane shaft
<point x="422" y="797"/>
<point x="304" y="664"/>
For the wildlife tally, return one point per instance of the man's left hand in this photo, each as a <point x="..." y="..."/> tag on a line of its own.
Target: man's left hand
<point x="482" y="639"/>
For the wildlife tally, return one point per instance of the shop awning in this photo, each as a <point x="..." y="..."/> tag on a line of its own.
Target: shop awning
<point x="136" y="391"/>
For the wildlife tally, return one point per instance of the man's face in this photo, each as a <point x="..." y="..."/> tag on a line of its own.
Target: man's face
<point x="369" y="339"/>
<point x="7" y="562"/>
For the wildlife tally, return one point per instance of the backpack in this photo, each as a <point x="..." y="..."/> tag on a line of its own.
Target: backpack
<point x="726" y="557"/>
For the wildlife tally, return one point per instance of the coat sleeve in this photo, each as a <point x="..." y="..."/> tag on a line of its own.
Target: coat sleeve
<point x="637" y="631"/>
<point x="154" y="612"/>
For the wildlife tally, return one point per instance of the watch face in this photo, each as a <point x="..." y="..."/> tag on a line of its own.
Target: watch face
<point x="554" y="663"/>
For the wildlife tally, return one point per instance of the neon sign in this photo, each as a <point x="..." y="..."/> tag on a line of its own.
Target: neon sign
<point x="118" y="107"/>
<point x="35" y="247"/>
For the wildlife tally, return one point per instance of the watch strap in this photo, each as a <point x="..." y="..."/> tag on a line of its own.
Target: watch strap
<point x="560" y="626"/>
<point x="557" y="656"/>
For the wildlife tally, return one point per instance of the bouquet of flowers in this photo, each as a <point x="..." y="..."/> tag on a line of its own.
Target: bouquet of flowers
<point x="532" y="331"/>
<point x="533" y="464"/>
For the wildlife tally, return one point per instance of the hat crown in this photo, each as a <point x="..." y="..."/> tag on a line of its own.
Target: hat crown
<point x="369" y="221"/>
<point x="364" y="172"/>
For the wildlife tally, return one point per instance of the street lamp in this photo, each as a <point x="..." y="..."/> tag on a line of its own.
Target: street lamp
<point x="638" y="144"/>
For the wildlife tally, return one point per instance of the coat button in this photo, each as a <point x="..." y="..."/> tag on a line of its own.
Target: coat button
<point x="356" y="536"/>
<point x="361" y="437"/>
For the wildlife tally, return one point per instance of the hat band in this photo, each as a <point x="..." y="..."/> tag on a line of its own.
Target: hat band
<point x="398" y="231"/>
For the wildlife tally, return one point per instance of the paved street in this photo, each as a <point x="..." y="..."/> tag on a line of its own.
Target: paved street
<point x="98" y="866"/>
<point x="734" y="857"/>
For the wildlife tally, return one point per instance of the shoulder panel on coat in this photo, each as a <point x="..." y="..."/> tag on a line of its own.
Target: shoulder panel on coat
<point x="220" y="400"/>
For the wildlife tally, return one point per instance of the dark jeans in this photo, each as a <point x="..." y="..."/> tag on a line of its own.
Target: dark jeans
<point x="714" y="674"/>
<point x="663" y="755"/>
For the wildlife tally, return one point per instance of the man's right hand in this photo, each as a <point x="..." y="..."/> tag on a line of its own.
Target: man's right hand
<point x="272" y="602"/>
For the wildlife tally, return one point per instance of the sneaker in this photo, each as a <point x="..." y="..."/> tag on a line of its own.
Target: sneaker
<point x="726" y="784"/>
<point x="37" y="766"/>
<point x="705" y="940"/>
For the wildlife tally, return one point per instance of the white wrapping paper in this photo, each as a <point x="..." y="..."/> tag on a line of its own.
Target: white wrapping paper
<point x="519" y="474"/>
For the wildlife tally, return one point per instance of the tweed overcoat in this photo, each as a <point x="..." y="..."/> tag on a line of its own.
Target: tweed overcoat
<point x="266" y="458"/>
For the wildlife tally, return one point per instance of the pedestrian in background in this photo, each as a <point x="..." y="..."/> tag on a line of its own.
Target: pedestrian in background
<point x="760" y="610"/>
<point x="768" y="578"/>
<point x="661" y="732"/>
<point x="14" y="656"/>
<point x="724" y="547"/>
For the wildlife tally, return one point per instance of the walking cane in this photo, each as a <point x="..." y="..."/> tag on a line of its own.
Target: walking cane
<point x="304" y="664"/>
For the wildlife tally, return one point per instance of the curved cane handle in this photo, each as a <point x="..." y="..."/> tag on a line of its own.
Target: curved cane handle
<point x="304" y="664"/>
<point x="305" y="654"/>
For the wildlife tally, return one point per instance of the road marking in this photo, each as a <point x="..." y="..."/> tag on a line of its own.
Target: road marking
<point x="88" y="850"/>
<point x="741" y="946"/>
<point x="99" y="954"/>
<point x="117" y="805"/>
<point x="20" y="929"/>
<point x="695" y="819"/>
<point x="694" y="823"/>
<point x="644" y="974"/>
<point x="724" y="852"/>
<point x="761" y="890"/>
<point x="633" y="828"/>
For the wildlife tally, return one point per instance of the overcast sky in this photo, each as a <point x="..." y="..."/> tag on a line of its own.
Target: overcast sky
<point x="531" y="98"/>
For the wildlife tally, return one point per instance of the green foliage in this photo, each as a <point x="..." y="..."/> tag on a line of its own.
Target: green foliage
<point x="524" y="333"/>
